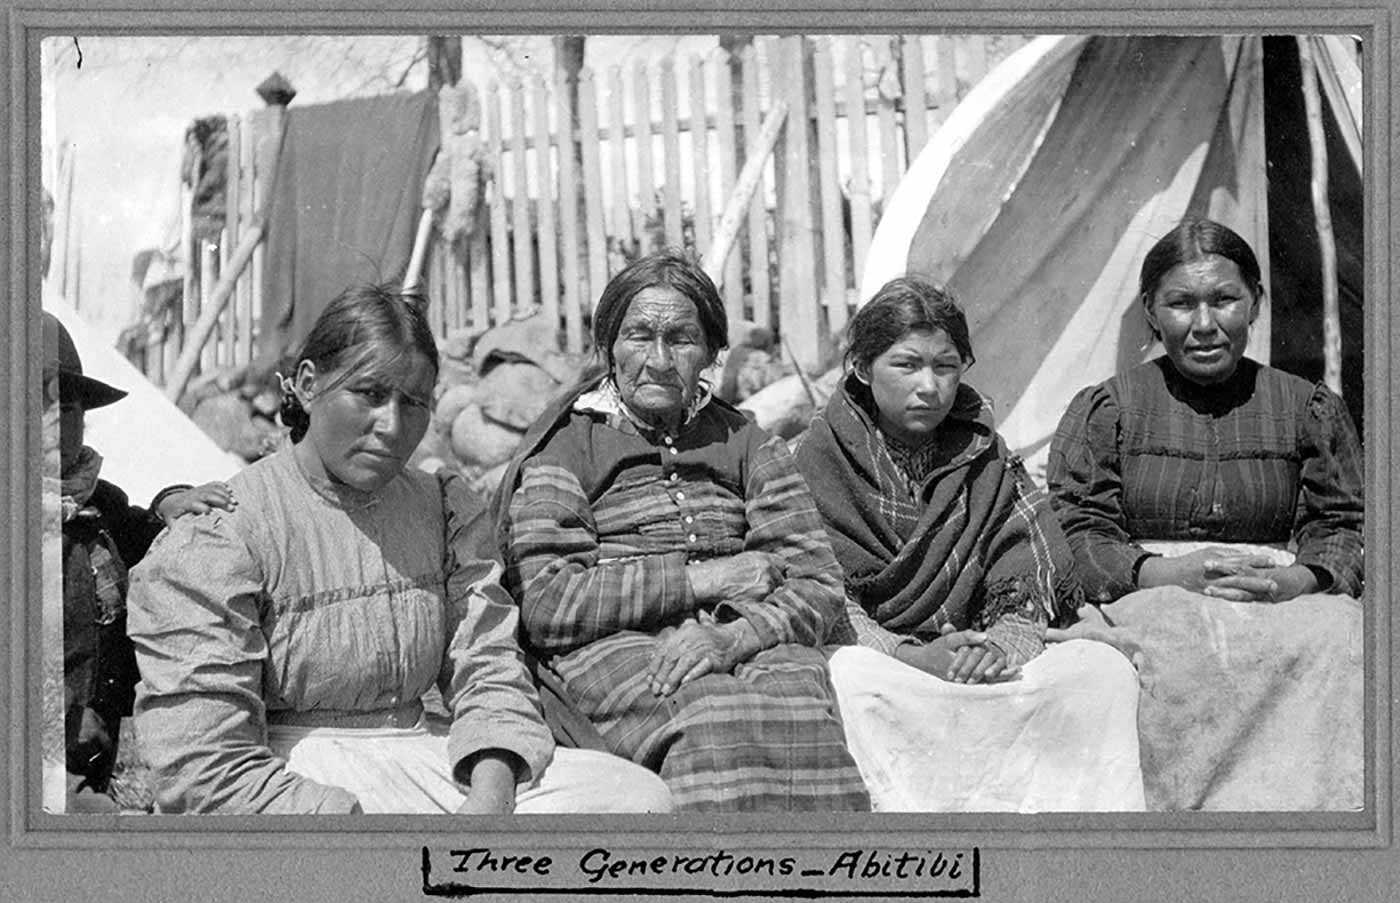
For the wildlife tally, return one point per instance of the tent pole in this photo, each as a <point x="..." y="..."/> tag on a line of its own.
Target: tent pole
<point x="1326" y="240"/>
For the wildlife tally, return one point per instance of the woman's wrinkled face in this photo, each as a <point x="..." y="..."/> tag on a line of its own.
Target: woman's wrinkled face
<point x="659" y="354"/>
<point x="1202" y="310"/>
<point x="365" y="425"/>
<point x="914" y="382"/>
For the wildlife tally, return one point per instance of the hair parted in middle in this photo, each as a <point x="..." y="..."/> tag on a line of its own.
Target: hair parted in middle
<point x="364" y="326"/>
<point x="1192" y="239"/>
<point x="671" y="268"/>
<point x="903" y="305"/>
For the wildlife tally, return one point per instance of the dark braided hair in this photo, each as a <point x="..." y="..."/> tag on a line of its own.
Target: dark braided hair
<point x="360" y="322"/>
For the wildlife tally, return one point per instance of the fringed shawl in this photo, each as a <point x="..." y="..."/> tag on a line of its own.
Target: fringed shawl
<point x="974" y="541"/>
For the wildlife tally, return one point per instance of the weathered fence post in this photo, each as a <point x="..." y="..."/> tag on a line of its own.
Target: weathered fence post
<point x="797" y="291"/>
<point x="862" y="219"/>
<point x="760" y="283"/>
<point x="268" y="125"/>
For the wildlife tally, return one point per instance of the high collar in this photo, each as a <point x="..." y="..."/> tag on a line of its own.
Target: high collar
<point x="1215" y="398"/>
<point x="605" y="399"/>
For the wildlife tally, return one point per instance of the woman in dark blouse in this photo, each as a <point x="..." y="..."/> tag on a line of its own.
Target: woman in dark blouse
<point x="1196" y="483"/>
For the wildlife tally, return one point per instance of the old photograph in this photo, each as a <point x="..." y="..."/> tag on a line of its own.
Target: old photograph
<point x="819" y="462"/>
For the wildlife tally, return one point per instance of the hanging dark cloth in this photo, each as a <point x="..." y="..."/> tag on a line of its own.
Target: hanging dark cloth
<point x="345" y="204"/>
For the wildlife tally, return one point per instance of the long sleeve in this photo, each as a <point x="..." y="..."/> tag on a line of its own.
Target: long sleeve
<point x="860" y="629"/>
<point x="194" y="617"/>
<point x="783" y="522"/>
<point x="483" y="680"/>
<point x="569" y="597"/>
<point x="1086" y="488"/>
<point x="1330" y="496"/>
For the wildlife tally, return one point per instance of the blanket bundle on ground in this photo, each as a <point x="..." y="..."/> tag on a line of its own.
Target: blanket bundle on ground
<point x="1247" y="706"/>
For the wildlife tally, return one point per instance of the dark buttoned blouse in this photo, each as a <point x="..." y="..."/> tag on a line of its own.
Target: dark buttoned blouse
<point x="1265" y="457"/>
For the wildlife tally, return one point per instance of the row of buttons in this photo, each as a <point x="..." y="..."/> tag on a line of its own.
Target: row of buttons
<point x="675" y="478"/>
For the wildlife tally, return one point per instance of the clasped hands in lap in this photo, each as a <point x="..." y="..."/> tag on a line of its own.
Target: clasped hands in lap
<point x="959" y="656"/>
<point x="1229" y="574"/>
<point x="701" y="644"/>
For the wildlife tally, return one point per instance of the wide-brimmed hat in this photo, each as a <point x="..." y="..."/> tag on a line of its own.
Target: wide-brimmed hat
<point x="61" y="359"/>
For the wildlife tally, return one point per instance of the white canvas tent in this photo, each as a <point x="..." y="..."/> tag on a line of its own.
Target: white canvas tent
<point x="146" y="442"/>
<point x="1037" y="200"/>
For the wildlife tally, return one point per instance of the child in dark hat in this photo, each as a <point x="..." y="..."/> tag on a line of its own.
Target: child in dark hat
<point x="103" y="535"/>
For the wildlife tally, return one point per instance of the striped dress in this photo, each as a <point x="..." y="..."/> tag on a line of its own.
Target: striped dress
<point x="602" y="519"/>
<point x="1243" y="706"/>
<point x="1265" y="457"/>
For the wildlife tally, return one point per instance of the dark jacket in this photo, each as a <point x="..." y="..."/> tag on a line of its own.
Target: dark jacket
<point x="99" y="666"/>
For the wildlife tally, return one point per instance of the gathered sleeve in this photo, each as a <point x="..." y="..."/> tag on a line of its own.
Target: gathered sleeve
<point x="194" y="614"/>
<point x="483" y="679"/>
<point x="568" y="596"/>
<point x="1086" y="488"/>
<point x="1330" y="512"/>
<point x="783" y="522"/>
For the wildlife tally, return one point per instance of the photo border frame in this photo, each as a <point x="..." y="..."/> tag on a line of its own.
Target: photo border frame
<point x="1212" y="855"/>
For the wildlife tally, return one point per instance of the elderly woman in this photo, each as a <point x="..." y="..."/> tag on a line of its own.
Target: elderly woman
<point x="954" y="568"/>
<point x="1193" y="488"/>
<point x="671" y="569"/>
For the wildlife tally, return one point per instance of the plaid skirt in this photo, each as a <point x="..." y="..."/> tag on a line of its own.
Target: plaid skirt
<point x="767" y="737"/>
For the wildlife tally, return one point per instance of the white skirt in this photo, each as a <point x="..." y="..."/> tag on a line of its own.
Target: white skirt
<point x="405" y="770"/>
<point x="1060" y="738"/>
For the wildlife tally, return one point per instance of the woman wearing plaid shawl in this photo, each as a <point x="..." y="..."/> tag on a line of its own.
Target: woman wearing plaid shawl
<point x="1251" y="654"/>
<point x="954" y="568"/>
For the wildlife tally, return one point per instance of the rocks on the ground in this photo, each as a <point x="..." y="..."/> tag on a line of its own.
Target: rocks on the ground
<point x="753" y="361"/>
<point x="480" y="443"/>
<point x="786" y="406"/>
<point x="232" y="421"/>
<point x="491" y="387"/>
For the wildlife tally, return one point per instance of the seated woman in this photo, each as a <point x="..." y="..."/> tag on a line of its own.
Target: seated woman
<point x="1245" y="706"/>
<point x="284" y="646"/>
<point x="670" y="568"/>
<point x="954" y="567"/>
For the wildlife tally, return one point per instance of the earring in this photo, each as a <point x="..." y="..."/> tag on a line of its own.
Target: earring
<point x="287" y="387"/>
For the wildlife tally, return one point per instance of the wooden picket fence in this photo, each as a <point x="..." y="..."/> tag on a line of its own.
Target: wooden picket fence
<point x="223" y="277"/>
<point x="660" y="147"/>
<point x="650" y="161"/>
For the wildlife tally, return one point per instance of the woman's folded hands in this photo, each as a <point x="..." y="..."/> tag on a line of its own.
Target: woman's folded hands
<point x="698" y="646"/>
<point x="1229" y="574"/>
<point x="959" y="656"/>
